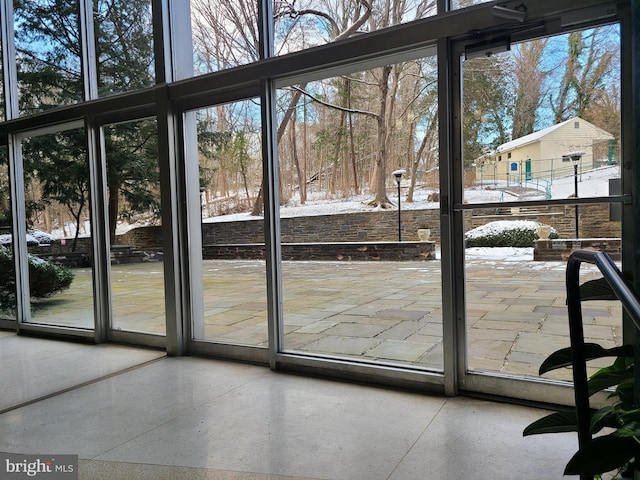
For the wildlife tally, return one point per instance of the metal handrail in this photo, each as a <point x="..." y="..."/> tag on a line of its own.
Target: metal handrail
<point x="630" y="303"/>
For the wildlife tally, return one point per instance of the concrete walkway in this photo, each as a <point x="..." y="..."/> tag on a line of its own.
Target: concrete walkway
<point x="381" y="312"/>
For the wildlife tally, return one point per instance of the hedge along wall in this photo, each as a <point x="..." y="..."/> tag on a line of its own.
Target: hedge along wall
<point x="375" y="226"/>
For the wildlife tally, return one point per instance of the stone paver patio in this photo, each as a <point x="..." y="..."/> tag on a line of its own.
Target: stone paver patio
<point x="383" y="312"/>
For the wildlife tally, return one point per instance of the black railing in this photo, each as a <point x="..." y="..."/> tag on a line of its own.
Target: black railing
<point x="630" y="302"/>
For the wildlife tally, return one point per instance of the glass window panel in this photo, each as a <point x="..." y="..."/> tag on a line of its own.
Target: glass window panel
<point x="541" y="116"/>
<point x="456" y="4"/>
<point x="351" y="288"/>
<point x="133" y="195"/>
<point x="233" y="266"/>
<point x="124" y="45"/>
<point x="309" y="23"/>
<point x="3" y="113"/>
<point x="516" y="310"/>
<point x="48" y="54"/>
<point x="59" y="229"/>
<point x="7" y="270"/>
<point x="534" y="131"/>
<point x="225" y="34"/>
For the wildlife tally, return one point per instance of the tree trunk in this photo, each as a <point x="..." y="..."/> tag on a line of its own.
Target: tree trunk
<point x="356" y="188"/>
<point x="114" y="201"/>
<point x="426" y="140"/>
<point x="258" y="206"/>
<point x="381" y="199"/>
<point x="302" y="181"/>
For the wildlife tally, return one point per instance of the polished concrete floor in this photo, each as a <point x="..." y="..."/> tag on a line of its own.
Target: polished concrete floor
<point x="131" y="413"/>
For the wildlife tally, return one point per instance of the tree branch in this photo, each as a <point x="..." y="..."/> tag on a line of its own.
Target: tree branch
<point x="336" y="107"/>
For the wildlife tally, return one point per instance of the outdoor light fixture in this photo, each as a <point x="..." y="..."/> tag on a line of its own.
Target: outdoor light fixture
<point x="398" y="176"/>
<point x="575" y="159"/>
<point x="518" y="14"/>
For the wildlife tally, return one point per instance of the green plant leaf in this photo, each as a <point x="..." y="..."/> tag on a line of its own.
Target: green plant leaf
<point x="608" y="377"/>
<point x="624" y="392"/>
<point x="602" y="454"/>
<point x="563" y="358"/>
<point x="605" y="417"/>
<point x="628" y="429"/>
<point x="629" y="417"/>
<point x="599" y="289"/>
<point x="553" y="423"/>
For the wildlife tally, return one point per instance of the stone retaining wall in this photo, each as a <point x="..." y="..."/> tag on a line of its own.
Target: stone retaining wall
<point x="326" y="251"/>
<point x="362" y="227"/>
<point x="381" y="226"/>
<point x="559" y="250"/>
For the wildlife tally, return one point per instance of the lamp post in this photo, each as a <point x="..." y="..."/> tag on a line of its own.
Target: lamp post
<point x="575" y="159"/>
<point x="398" y="176"/>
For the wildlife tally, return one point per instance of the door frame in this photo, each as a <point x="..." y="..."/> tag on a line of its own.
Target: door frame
<point x="459" y="378"/>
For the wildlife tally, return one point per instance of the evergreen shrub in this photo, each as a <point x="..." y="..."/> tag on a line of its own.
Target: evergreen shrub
<point x="45" y="278"/>
<point x="505" y="233"/>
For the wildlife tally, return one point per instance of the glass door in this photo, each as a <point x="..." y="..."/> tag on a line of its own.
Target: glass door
<point x="541" y="142"/>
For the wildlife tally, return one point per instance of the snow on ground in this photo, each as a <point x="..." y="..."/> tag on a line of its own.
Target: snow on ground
<point x="503" y="254"/>
<point x="594" y="183"/>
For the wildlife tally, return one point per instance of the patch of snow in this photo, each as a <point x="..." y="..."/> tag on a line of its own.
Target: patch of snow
<point x="503" y="254"/>
<point x="593" y="183"/>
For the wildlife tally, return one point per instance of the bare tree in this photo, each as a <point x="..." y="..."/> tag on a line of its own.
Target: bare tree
<point x="529" y="80"/>
<point x="590" y="55"/>
<point x="223" y="31"/>
<point x="225" y="34"/>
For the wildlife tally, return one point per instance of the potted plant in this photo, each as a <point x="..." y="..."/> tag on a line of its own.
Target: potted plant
<point x="615" y="428"/>
<point x="618" y="424"/>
